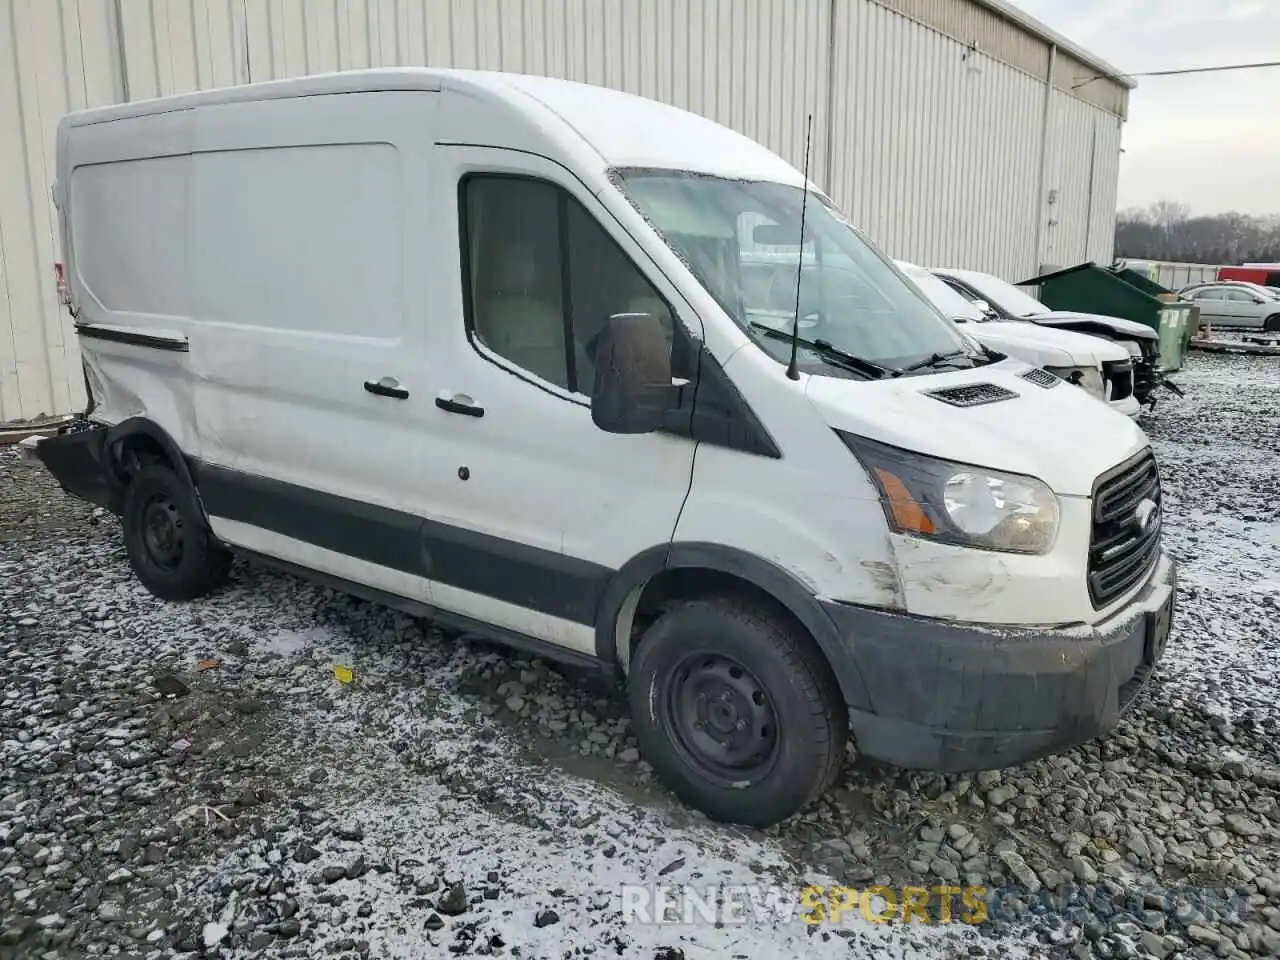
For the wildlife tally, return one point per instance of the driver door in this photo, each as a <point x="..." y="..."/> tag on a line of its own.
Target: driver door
<point x="531" y="507"/>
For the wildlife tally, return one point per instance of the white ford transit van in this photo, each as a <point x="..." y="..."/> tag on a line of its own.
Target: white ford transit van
<point x="477" y="346"/>
<point x="1101" y="367"/>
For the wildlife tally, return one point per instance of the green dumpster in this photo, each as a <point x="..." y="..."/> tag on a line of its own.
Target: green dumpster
<point x="1112" y="292"/>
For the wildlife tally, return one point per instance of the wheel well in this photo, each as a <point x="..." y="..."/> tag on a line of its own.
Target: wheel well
<point x="135" y="451"/>
<point x="650" y="599"/>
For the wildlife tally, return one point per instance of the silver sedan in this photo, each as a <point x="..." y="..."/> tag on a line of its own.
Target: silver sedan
<point x="1236" y="305"/>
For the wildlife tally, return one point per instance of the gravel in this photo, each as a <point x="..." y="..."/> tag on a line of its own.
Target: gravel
<point x="193" y="780"/>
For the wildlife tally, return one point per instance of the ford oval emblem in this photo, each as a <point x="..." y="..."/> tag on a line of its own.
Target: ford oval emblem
<point x="1144" y="514"/>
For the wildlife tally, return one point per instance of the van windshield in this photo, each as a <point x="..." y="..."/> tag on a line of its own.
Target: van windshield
<point x="741" y="239"/>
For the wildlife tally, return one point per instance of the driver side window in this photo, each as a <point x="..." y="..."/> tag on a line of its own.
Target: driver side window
<point x="542" y="277"/>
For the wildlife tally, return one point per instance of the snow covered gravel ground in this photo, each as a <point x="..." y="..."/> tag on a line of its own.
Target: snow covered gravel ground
<point x="194" y="780"/>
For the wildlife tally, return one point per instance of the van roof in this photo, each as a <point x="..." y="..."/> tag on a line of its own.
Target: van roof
<point x="624" y="129"/>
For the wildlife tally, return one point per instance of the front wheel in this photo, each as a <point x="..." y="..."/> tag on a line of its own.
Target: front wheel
<point x="1272" y="324"/>
<point x="736" y="710"/>
<point x="169" y="545"/>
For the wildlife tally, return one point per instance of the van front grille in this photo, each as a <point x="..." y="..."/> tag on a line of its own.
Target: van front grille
<point x="1125" y="540"/>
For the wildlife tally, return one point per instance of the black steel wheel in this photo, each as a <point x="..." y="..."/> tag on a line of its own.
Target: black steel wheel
<point x="736" y="709"/>
<point x="162" y="532"/>
<point x="721" y="718"/>
<point x="168" y="542"/>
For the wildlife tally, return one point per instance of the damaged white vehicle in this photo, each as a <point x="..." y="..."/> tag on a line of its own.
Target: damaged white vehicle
<point x="1008" y="303"/>
<point x="1099" y="367"/>
<point x="474" y="345"/>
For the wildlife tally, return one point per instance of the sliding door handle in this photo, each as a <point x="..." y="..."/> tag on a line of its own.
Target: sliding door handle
<point x="387" y="387"/>
<point x="459" y="403"/>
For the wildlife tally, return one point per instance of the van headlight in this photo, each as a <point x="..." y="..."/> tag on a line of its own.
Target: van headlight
<point x="959" y="503"/>
<point x="1088" y="379"/>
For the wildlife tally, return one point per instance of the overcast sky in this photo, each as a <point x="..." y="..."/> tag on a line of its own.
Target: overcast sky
<point x="1211" y="141"/>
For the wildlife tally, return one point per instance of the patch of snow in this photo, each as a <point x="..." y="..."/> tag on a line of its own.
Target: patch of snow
<point x="214" y="933"/>
<point x="290" y="643"/>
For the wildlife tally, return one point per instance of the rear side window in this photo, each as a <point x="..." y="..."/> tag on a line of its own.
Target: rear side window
<point x="541" y="278"/>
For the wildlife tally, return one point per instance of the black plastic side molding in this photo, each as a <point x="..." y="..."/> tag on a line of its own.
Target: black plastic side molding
<point x="175" y="344"/>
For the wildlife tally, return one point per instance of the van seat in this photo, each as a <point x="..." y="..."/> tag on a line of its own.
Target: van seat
<point x="530" y="333"/>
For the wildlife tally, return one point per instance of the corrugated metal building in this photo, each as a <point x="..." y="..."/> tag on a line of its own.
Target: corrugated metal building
<point x="954" y="132"/>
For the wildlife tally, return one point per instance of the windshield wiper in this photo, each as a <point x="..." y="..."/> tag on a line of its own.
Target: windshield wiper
<point x="933" y="360"/>
<point x="829" y="352"/>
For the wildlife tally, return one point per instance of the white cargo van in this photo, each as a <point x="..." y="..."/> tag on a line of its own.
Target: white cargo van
<point x="475" y="345"/>
<point x="1101" y="367"/>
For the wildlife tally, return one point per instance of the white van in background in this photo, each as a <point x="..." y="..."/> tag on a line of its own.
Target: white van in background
<point x="1099" y="367"/>
<point x="475" y="345"/>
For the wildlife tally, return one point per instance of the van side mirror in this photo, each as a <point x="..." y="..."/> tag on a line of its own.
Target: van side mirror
<point x="633" y="388"/>
<point x="984" y="307"/>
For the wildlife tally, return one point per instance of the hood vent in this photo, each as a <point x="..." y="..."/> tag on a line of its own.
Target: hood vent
<point x="1041" y="378"/>
<point x="971" y="394"/>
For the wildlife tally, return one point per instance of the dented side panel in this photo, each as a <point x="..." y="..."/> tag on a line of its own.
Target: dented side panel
<point x="128" y="380"/>
<point x="127" y="269"/>
<point x="808" y="523"/>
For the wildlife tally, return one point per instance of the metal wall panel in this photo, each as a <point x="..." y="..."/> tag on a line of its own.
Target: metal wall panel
<point x="973" y="24"/>
<point x="997" y="36"/>
<point x="936" y="147"/>
<point x="759" y="66"/>
<point x="1084" y="83"/>
<point x="932" y="146"/>
<point x="1081" y="180"/>
<point x="55" y="55"/>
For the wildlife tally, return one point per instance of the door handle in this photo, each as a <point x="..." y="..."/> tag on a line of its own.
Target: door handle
<point x="387" y="387"/>
<point x="459" y="403"/>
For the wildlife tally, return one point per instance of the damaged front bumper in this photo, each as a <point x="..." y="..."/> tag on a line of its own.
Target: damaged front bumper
<point x="78" y="460"/>
<point x="952" y="697"/>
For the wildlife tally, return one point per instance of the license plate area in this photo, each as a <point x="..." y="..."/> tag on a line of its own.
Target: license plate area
<point x="1159" y="623"/>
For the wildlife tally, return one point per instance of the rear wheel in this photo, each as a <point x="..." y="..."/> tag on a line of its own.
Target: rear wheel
<point x="1272" y="324"/>
<point x="736" y="710"/>
<point x="169" y="545"/>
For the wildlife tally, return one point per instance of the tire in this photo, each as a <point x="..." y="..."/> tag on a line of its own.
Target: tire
<point x="1272" y="324"/>
<point x="704" y="662"/>
<point x="168" y="542"/>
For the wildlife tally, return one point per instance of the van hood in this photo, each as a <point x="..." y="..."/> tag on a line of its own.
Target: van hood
<point x="1061" y="436"/>
<point x="1093" y="323"/>
<point x="1045" y="346"/>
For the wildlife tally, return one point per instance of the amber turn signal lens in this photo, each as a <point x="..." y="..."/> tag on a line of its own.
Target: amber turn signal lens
<point x="907" y="513"/>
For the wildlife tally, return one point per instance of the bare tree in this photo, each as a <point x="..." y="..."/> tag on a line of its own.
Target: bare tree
<point x="1167" y="231"/>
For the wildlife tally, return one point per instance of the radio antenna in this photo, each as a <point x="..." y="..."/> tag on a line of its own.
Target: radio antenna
<point x="792" y="372"/>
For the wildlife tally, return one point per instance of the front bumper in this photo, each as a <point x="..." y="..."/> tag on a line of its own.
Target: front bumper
<point x="952" y="697"/>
